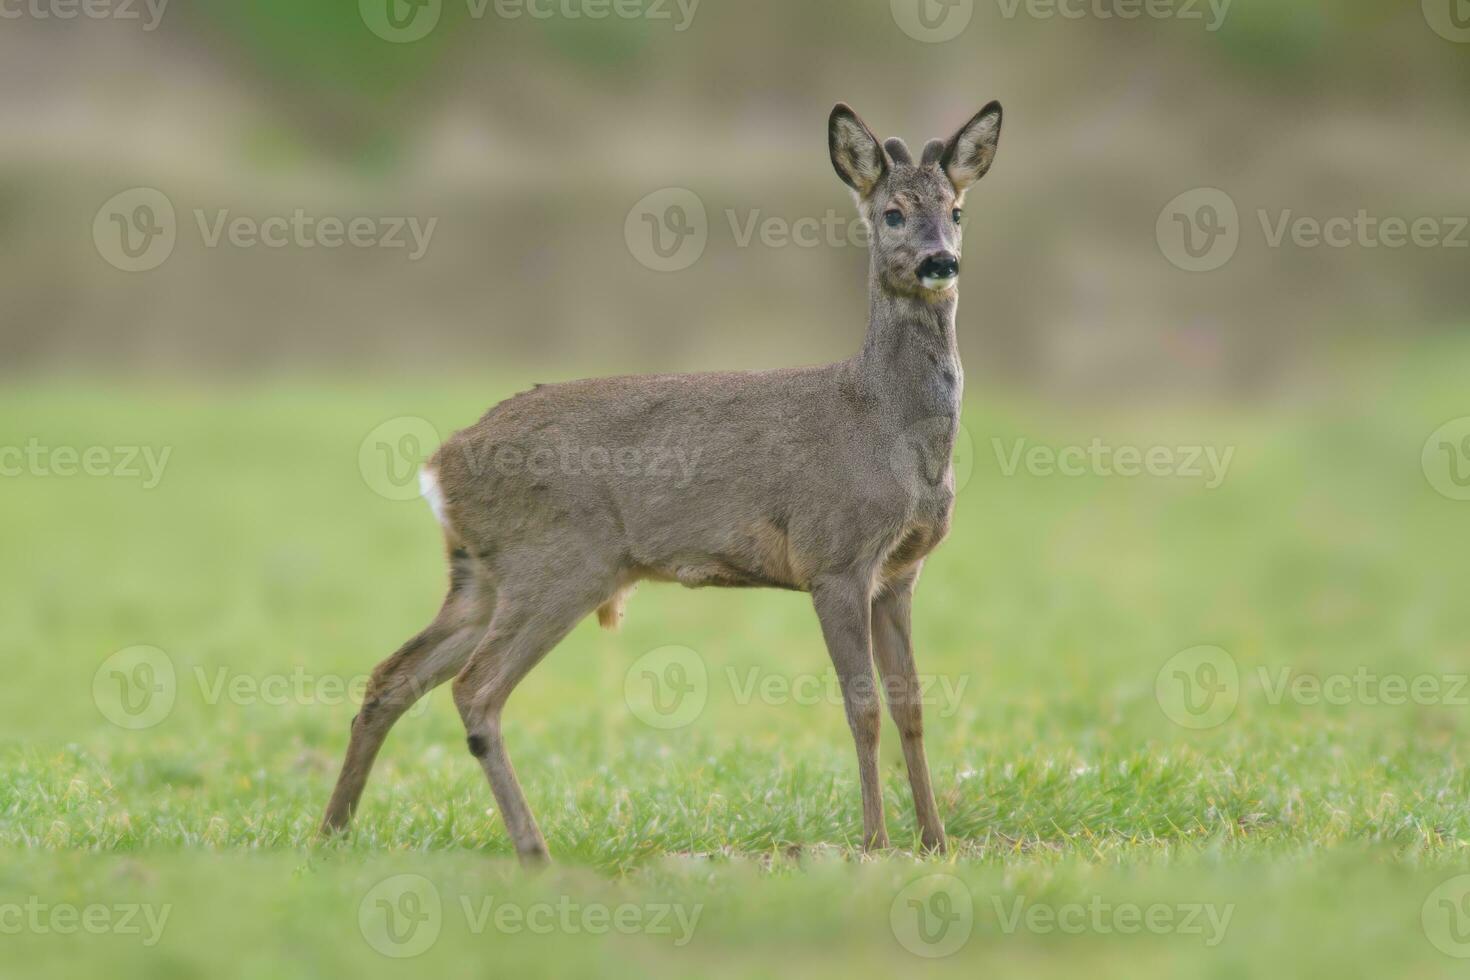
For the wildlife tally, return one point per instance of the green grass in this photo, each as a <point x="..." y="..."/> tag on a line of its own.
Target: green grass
<point x="264" y="559"/>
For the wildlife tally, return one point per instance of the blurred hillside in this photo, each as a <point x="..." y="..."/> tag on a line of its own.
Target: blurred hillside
<point x="531" y="138"/>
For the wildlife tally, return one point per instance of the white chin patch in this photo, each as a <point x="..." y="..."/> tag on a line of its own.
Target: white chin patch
<point x="939" y="285"/>
<point x="429" y="487"/>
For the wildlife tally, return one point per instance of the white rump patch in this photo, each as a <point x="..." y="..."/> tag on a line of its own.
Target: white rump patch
<point x="429" y="487"/>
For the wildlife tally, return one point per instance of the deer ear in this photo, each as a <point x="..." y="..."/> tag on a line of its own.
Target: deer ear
<point x="856" y="154"/>
<point x="972" y="150"/>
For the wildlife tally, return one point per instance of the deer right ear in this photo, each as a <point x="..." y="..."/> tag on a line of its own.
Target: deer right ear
<point x="856" y="154"/>
<point x="970" y="153"/>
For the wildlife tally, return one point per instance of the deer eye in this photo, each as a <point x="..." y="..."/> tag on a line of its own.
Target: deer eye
<point x="958" y="215"/>
<point x="893" y="218"/>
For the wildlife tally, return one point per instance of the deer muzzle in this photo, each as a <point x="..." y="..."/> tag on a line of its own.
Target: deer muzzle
<point x="940" y="270"/>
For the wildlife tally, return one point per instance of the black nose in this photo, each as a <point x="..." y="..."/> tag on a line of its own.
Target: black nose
<point x="940" y="265"/>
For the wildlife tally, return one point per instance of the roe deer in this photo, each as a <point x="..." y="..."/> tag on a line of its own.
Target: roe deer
<point x="831" y="480"/>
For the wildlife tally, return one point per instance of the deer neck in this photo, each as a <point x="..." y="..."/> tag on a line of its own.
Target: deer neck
<point x="911" y="360"/>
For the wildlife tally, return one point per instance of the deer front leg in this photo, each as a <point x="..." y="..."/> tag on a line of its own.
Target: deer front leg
<point x="893" y="649"/>
<point x="844" y="607"/>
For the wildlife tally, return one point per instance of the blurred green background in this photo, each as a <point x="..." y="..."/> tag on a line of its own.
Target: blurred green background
<point x="195" y="497"/>
<point x="530" y="138"/>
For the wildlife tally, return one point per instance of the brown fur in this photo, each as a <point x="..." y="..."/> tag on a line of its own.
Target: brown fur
<point x="831" y="480"/>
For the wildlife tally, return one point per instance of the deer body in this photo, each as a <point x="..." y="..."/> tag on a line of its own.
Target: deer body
<point x="833" y="480"/>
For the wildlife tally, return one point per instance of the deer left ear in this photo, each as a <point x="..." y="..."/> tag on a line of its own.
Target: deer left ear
<point x="972" y="150"/>
<point x="856" y="155"/>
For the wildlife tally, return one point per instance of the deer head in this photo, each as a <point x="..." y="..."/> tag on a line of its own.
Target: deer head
<point x="913" y="211"/>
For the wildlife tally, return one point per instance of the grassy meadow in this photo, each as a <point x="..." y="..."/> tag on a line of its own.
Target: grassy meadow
<point x="1189" y="722"/>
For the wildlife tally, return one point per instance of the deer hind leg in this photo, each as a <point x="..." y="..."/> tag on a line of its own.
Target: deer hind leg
<point x="533" y="613"/>
<point x="424" y="662"/>
<point x="894" y="652"/>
